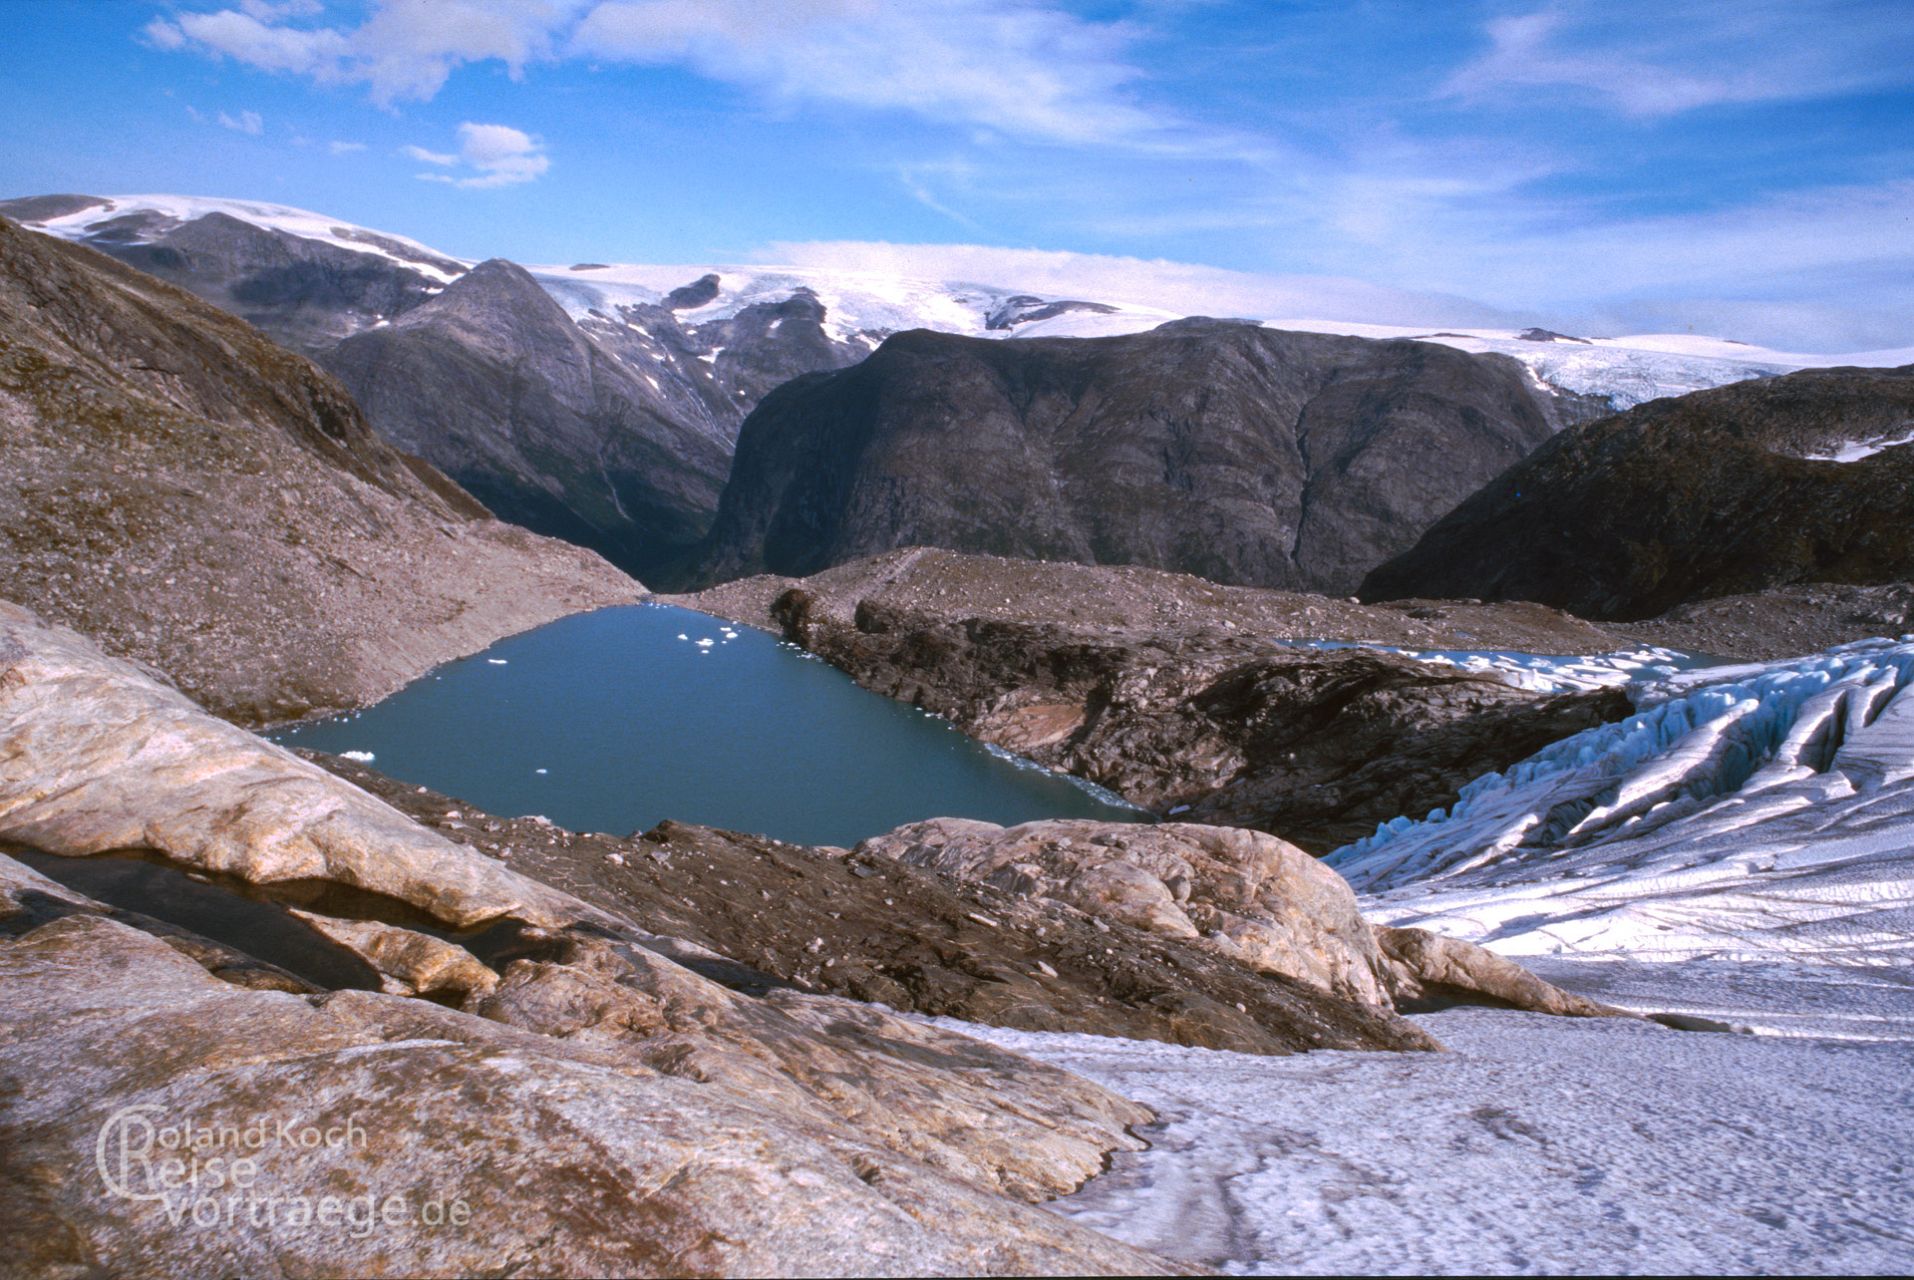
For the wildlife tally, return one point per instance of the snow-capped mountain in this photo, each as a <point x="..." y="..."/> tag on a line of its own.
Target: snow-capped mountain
<point x="861" y="308"/>
<point x="610" y="417"/>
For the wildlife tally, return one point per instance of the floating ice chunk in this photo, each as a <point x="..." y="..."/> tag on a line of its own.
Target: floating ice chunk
<point x="363" y="757"/>
<point x="497" y="662"/>
<point x="706" y="643"/>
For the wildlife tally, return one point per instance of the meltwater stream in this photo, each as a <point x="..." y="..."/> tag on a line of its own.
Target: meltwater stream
<point x="612" y="721"/>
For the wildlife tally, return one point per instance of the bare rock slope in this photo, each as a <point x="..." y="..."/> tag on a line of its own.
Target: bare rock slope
<point x="1782" y="482"/>
<point x="550" y="426"/>
<point x="199" y="499"/>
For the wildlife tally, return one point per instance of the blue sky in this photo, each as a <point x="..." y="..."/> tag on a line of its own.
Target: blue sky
<point x="1743" y="169"/>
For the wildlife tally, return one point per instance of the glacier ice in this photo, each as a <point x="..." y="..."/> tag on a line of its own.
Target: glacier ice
<point x="1764" y="814"/>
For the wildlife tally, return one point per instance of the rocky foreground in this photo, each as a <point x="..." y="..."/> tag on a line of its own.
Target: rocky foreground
<point x="203" y="501"/>
<point x="644" y="1071"/>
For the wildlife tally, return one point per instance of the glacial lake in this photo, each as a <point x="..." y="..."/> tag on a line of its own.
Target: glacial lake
<point x="615" y="720"/>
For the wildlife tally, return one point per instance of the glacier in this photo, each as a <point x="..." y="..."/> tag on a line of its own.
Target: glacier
<point x="1737" y="856"/>
<point x="1768" y="813"/>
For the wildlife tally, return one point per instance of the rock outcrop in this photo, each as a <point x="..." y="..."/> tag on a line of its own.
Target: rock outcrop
<point x="1223" y="449"/>
<point x="1429" y="969"/>
<point x="1256" y="899"/>
<point x="202" y="500"/>
<point x="592" y="1104"/>
<point x="776" y="916"/>
<point x="1181" y="696"/>
<point x="1802" y="479"/>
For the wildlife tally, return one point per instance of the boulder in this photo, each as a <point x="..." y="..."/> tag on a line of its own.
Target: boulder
<point x="1428" y="968"/>
<point x="1257" y="899"/>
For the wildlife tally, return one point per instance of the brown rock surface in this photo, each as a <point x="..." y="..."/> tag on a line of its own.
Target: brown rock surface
<point x="1429" y="968"/>
<point x="1258" y="900"/>
<point x="602" y="1109"/>
<point x="770" y="915"/>
<point x="1782" y="622"/>
<point x="1179" y="694"/>
<point x="194" y="497"/>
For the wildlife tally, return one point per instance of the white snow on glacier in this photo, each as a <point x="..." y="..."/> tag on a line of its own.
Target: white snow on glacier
<point x="1763" y="815"/>
<point x="866" y="306"/>
<point x="1536" y="1146"/>
<point x="1544" y="673"/>
<point x="1737" y="856"/>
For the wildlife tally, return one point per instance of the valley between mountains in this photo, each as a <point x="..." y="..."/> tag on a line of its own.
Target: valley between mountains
<point x="1517" y="731"/>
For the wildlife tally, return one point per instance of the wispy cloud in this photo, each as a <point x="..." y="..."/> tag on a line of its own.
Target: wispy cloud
<point x="491" y="155"/>
<point x="1026" y="69"/>
<point x="405" y="50"/>
<point x="345" y="148"/>
<point x="441" y="158"/>
<point x="1683" y="56"/>
<point x="244" y="122"/>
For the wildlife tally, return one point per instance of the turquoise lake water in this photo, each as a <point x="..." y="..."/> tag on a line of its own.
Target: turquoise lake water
<point x="615" y="720"/>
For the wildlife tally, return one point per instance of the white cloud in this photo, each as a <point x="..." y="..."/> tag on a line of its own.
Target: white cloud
<point x="244" y="38"/>
<point x="244" y="122"/>
<point x="405" y="50"/>
<point x="1678" y="56"/>
<point x="492" y="155"/>
<point x="345" y="148"/>
<point x="1016" y="66"/>
<point x="274" y="10"/>
<point x="1027" y="71"/>
<point x="1181" y="287"/>
<point x="162" y="34"/>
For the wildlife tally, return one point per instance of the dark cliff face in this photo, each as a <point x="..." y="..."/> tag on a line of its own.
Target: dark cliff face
<point x="1705" y="495"/>
<point x="1242" y="454"/>
<point x="492" y="382"/>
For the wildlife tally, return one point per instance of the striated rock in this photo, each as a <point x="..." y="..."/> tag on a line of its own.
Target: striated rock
<point x="207" y="503"/>
<point x="98" y="756"/>
<point x="560" y="1155"/>
<point x="1425" y="967"/>
<point x="1807" y="478"/>
<point x="409" y="962"/>
<point x="1219" y="448"/>
<point x="600" y="1108"/>
<point x="1258" y="900"/>
<point x="774" y="916"/>
<point x="1184" y="704"/>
